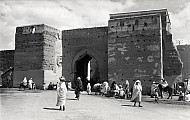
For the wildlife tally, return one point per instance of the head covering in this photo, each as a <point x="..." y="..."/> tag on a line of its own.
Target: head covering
<point x="78" y="78"/>
<point x="62" y="79"/>
<point x="126" y="82"/>
<point x="138" y="81"/>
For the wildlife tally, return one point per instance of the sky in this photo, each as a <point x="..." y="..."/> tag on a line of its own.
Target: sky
<point x="72" y="14"/>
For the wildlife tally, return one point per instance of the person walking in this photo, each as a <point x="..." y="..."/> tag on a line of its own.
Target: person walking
<point x="61" y="93"/>
<point x="126" y="89"/>
<point x="137" y="93"/>
<point x="78" y="88"/>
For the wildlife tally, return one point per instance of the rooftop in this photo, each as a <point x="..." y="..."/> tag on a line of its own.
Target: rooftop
<point x="138" y="13"/>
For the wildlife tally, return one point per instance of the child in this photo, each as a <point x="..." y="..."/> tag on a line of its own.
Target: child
<point x="121" y="92"/>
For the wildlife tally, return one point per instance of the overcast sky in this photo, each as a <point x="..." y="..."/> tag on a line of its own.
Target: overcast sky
<point x="71" y="14"/>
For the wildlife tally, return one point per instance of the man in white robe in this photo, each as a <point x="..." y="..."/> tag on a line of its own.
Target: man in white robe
<point x="61" y="93"/>
<point x="137" y="93"/>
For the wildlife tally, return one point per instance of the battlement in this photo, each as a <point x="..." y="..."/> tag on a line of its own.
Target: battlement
<point x="138" y="13"/>
<point x="32" y="29"/>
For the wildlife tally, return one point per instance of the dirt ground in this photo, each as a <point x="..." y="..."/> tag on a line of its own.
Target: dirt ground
<point x="40" y="105"/>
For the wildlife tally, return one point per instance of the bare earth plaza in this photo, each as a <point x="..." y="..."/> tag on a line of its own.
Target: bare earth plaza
<point x="127" y="70"/>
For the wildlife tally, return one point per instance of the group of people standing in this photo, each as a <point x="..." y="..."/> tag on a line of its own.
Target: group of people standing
<point x="28" y="84"/>
<point x="62" y="91"/>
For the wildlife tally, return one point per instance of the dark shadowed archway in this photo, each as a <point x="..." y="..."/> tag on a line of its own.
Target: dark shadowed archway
<point x="80" y="67"/>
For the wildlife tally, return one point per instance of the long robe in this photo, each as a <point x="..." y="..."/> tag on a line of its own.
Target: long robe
<point x="137" y="92"/>
<point x="30" y="84"/>
<point x="61" y="94"/>
<point x="88" y="88"/>
<point x="105" y="88"/>
<point x="25" y="82"/>
<point x="78" y="88"/>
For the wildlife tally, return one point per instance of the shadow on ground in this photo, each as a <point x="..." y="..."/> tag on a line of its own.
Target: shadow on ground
<point x="71" y="98"/>
<point x="127" y="105"/>
<point x="51" y="108"/>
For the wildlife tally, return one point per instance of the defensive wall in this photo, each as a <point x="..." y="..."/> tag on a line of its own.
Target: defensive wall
<point x="37" y="52"/>
<point x="184" y="51"/>
<point x="134" y="45"/>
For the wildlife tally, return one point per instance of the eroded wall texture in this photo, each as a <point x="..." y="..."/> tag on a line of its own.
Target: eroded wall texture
<point x="6" y="61"/>
<point x="36" y="54"/>
<point x="172" y="62"/>
<point x="184" y="51"/>
<point x="137" y="42"/>
<point x="82" y="45"/>
<point x="135" y="45"/>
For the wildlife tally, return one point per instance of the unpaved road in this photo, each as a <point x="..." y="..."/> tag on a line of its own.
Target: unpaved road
<point x="40" y="105"/>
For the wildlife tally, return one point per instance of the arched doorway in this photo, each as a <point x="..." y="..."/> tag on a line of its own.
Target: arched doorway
<point x="86" y="64"/>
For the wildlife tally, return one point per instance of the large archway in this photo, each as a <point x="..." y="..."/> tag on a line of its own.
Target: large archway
<point x="81" y="67"/>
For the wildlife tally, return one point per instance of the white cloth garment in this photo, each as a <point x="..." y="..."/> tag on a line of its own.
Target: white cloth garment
<point x="137" y="92"/>
<point x="61" y="94"/>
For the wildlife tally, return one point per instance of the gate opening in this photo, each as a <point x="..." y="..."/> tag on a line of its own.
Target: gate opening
<point x="87" y="69"/>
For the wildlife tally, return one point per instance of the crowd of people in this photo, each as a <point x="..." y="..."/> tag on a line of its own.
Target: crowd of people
<point x="114" y="90"/>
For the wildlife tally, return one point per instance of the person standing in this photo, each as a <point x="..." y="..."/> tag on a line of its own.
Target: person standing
<point x="121" y="94"/>
<point x="61" y="93"/>
<point x="78" y="88"/>
<point x="30" y="84"/>
<point x="126" y="89"/>
<point x="88" y="88"/>
<point x="137" y="93"/>
<point x="24" y="83"/>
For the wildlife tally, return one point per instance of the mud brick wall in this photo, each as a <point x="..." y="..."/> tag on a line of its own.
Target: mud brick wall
<point x="78" y="42"/>
<point x="184" y="52"/>
<point x="35" y="50"/>
<point x="134" y="49"/>
<point x="172" y="61"/>
<point x="6" y="59"/>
